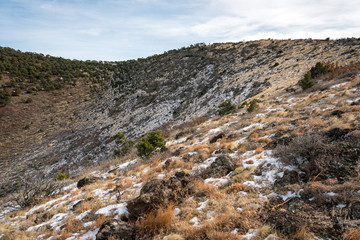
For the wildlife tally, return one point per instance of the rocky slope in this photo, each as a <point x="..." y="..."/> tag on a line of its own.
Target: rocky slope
<point x="287" y="170"/>
<point x="72" y="128"/>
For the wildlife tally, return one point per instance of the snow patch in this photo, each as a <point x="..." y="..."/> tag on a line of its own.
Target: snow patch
<point x="194" y="221"/>
<point x="216" y="181"/>
<point x="177" y="211"/>
<point x="116" y="209"/>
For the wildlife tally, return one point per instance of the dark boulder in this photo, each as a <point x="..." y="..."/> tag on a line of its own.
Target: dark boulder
<point x="220" y="167"/>
<point x="116" y="230"/>
<point x="217" y="137"/>
<point x="86" y="181"/>
<point x="289" y="177"/>
<point x="157" y="192"/>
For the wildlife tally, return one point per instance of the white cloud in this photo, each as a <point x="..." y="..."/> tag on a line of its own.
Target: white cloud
<point x="115" y="30"/>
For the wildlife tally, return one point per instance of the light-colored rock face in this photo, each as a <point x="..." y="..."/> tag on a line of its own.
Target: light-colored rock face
<point x="175" y="87"/>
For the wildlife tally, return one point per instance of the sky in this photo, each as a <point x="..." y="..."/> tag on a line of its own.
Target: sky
<point x="114" y="30"/>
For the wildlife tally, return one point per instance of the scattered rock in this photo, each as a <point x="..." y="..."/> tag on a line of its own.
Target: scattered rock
<point x="116" y="230"/>
<point x="217" y="137"/>
<point x="290" y="177"/>
<point x="86" y="181"/>
<point x="337" y="133"/>
<point x="354" y="210"/>
<point x="179" y="135"/>
<point x="158" y="192"/>
<point x="337" y="113"/>
<point x="220" y="167"/>
<point x="285" y="221"/>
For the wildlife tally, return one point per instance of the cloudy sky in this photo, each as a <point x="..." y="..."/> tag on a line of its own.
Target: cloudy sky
<point x="129" y="29"/>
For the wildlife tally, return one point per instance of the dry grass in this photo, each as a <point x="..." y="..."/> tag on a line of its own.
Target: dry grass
<point x="204" y="189"/>
<point x="302" y="234"/>
<point x="83" y="206"/>
<point x="242" y="148"/>
<point x="259" y="150"/>
<point x="174" y="237"/>
<point x="64" y="235"/>
<point x="242" y="174"/>
<point x="100" y="219"/>
<point x="237" y="187"/>
<point x="8" y="233"/>
<point x="355" y="235"/>
<point x="75" y="192"/>
<point x="157" y="221"/>
<point x="73" y="225"/>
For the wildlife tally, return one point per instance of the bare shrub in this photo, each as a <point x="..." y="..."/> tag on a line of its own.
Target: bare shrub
<point x="303" y="148"/>
<point x="31" y="189"/>
<point x="320" y="156"/>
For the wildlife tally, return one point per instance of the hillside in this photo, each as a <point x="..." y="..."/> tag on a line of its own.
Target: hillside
<point x="286" y="168"/>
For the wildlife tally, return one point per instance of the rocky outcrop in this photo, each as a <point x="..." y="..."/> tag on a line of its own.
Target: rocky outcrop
<point x="289" y="177"/>
<point x="159" y="192"/>
<point x="116" y="230"/>
<point x="220" y="167"/>
<point x="86" y="181"/>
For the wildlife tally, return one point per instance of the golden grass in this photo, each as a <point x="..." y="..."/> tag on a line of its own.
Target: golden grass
<point x="237" y="187"/>
<point x="174" y="237"/>
<point x="75" y="192"/>
<point x="64" y="235"/>
<point x="242" y="149"/>
<point x="355" y="235"/>
<point x="84" y="206"/>
<point x="8" y="233"/>
<point x="242" y="174"/>
<point x="100" y="219"/>
<point x="259" y="150"/>
<point x="73" y="225"/>
<point x="158" y="220"/>
<point x="204" y="189"/>
<point x="264" y="140"/>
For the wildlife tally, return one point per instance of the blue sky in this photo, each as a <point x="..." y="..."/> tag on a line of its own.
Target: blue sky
<point x="120" y="30"/>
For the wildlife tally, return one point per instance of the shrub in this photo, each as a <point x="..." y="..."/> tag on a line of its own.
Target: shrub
<point x="31" y="189"/>
<point x="321" y="157"/>
<point x="306" y="82"/>
<point x="62" y="176"/>
<point x="318" y="70"/>
<point x="4" y="96"/>
<point x="253" y="105"/>
<point x="148" y="144"/>
<point x="225" y="108"/>
<point x="243" y="104"/>
<point x="125" y="144"/>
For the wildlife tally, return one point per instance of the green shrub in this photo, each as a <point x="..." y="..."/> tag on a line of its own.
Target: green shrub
<point x="253" y="105"/>
<point x="306" y="82"/>
<point x="316" y="71"/>
<point x="62" y="176"/>
<point x="243" y="104"/>
<point x="225" y="108"/>
<point x="4" y="96"/>
<point x="125" y="144"/>
<point x="320" y="69"/>
<point x="150" y="143"/>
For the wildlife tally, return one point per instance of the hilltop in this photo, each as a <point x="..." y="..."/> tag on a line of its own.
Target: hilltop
<point x="278" y="162"/>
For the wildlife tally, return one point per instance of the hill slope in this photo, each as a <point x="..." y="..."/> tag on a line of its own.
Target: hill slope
<point x="73" y="126"/>
<point x="184" y="84"/>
